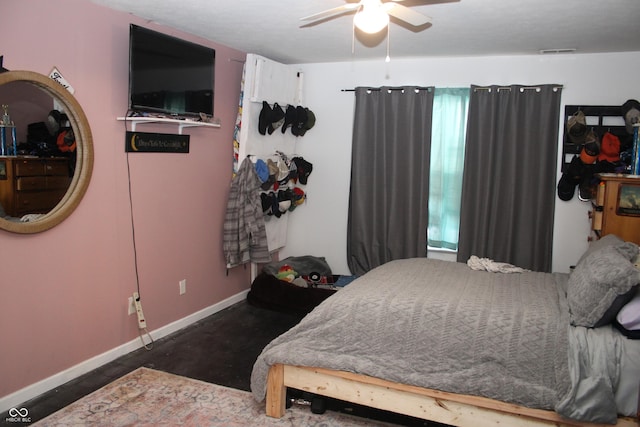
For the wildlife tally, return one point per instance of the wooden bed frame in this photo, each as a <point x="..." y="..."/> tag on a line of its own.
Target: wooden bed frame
<point x="433" y="405"/>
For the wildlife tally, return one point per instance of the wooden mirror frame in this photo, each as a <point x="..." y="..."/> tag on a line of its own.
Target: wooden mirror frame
<point x="84" y="150"/>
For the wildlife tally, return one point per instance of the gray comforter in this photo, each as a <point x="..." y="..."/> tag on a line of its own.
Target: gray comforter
<point x="441" y="325"/>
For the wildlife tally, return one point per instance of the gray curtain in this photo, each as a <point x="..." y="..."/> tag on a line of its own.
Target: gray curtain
<point x="508" y="188"/>
<point x="389" y="176"/>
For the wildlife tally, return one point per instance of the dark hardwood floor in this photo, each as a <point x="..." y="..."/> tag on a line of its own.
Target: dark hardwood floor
<point x="219" y="349"/>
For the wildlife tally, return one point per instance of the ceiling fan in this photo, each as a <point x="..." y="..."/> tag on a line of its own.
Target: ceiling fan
<point x="372" y="16"/>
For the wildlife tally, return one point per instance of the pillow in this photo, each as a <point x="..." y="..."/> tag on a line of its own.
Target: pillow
<point x="628" y="318"/>
<point x="628" y="250"/>
<point x="607" y="240"/>
<point x="601" y="284"/>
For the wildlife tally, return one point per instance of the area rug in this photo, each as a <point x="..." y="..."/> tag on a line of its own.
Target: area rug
<point x="146" y="397"/>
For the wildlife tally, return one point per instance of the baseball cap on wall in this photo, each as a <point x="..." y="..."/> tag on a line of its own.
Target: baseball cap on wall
<point x="609" y="148"/>
<point x="577" y="127"/>
<point x="631" y="114"/>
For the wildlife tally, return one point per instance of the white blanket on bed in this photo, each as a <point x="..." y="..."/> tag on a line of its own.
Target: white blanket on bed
<point x="487" y="264"/>
<point x="439" y="324"/>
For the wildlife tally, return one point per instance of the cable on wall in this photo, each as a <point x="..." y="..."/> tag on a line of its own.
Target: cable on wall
<point x="141" y="330"/>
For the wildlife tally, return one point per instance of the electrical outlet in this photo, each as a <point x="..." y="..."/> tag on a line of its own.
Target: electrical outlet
<point x="183" y="286"/>
<point x="132" y="307"/>
<point x="142" y="322"/>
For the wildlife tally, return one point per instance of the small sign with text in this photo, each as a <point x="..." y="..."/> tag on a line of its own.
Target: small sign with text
<point x="56" y="75"/>
<point x="146" y="142"/>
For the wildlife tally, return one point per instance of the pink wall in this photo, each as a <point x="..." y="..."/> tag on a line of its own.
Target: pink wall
<point x="64" y="291"/>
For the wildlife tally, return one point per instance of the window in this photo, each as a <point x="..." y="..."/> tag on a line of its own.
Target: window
<point x="448" y="133"/>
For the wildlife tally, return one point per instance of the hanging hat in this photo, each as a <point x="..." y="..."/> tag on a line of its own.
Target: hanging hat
<point x="265" y="118"/>
<point x="570" y="178"/>
<point x="277" y="118"/>
<point x="66" y="142"/>
<point x="293" y="171"/>
<point x="53" y="123"/>
<point x="265" y="199"/>
<point x="566" y="187"/>
<point x="577" y="127"/>
<point x="586" y="158"/>
<point x="301" y="119"/>
<point x="283" y="172"/>
<point x="590" y="149"/>
<point x="273" y="167"/>
<point x="631" y="114"/>
<point x="304" y="169"/>
<point x="262" y="170"/>
<point x="284" y="200"/>
<point x="275" y="205"/>
<point x="311" y="119"/>
<point x="609" y="148"/>
<point x="289" y="117"/>
<point x="586" y="186"/>
<point x="297" y="198"/>
<point x="309" y="123"/>
<point x="273" y="171"/>
<point x="268" y="183"/>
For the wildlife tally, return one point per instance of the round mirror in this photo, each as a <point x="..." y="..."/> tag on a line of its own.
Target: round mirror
<point x="57" y="180"/>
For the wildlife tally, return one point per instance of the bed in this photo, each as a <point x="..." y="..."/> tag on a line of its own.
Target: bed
<point x="440" y="341"/>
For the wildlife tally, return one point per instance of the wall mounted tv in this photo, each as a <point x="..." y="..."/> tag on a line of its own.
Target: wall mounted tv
<point x="169" y="76"/>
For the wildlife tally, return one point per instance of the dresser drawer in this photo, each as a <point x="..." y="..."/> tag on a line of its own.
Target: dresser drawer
<point x="31" y="183"/>
<point x="56" y="167"/>
<point x="38" y="167"/>
<point x="615" y="210"/>
<point x="29" y="167"/>
<point x="37" y="202"/>
<point x="58" y="182"/>
<point x="42" y="183"/>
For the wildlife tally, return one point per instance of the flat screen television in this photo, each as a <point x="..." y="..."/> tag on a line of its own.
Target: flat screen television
<point x="169" y="76"/>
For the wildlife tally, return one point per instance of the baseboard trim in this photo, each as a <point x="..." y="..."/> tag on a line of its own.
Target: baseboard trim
<point x="23" y="395"/>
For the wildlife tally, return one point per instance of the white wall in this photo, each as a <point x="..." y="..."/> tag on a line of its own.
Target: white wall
<point x="319" y="227"/>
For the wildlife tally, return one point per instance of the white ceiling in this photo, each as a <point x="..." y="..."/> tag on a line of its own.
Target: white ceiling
<point x="459" y="28"/>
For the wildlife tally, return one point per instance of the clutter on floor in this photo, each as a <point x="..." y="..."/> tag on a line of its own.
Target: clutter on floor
<point x="295" y="285"/>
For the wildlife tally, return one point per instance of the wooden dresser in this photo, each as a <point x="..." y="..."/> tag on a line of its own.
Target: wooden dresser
<point x="31" y="184"/>
<point x="616" y="207"/>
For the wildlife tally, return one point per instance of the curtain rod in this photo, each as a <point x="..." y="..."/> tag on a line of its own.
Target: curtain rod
<point x="489" y="88"/>
<point x="390" y="88"/>
<point x="476" y="88"/>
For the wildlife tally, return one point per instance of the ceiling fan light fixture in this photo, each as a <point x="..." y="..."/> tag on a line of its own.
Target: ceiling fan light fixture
<point x="371" y="19"/>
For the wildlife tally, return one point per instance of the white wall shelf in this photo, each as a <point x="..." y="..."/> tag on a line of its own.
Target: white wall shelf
<point x="181" y="123"/>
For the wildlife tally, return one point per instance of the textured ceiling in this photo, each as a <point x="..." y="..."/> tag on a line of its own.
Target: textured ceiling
<point x="459" y="28"/>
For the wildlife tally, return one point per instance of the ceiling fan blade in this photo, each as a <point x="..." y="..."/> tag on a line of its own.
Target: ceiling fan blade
<point x="332" y="12"/>
<point x="407" y="15"/>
